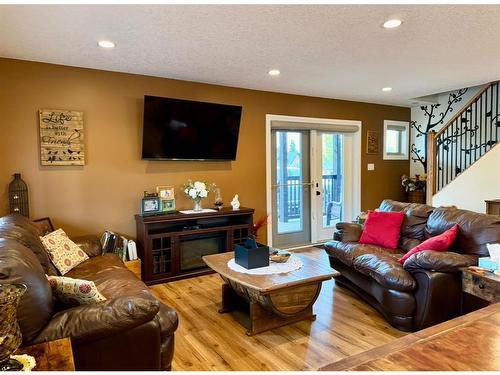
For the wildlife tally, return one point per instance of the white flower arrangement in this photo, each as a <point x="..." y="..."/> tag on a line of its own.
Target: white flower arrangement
<point x="197" y="190"/>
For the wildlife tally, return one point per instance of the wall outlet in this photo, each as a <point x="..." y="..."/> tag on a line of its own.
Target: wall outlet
<point x="371" y="166"/>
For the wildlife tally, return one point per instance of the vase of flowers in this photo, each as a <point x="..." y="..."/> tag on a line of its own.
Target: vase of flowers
<point x="414" y="187"/>
<point x="197" y="191"/>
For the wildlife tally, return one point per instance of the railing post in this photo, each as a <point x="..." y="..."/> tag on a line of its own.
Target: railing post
<point x="431" y="167"/>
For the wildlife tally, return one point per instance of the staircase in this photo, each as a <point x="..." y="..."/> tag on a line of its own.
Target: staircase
<point x="463" y="140"/>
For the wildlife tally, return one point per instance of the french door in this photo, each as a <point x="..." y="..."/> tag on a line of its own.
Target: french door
<point x="308" y="185"/>
<point x="291" y="187"/>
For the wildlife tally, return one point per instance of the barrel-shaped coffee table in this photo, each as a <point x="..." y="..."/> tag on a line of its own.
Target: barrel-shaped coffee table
<point x="271" y="300"/>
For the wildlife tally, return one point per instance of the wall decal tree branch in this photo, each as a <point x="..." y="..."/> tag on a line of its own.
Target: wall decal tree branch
<point x="432" y="119"/>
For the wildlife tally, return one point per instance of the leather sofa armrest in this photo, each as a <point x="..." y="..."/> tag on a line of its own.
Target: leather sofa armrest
<point x="90" y="244"/>
<point x="439" y="261"/>
<point x="87" y="323"/>
<point x="438" y="297"/>
<point x="348" y="232"/>
<point x="168" y="319"/>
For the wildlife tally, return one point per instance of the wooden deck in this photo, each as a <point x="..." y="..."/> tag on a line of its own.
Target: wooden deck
<point x="207" y="340"/>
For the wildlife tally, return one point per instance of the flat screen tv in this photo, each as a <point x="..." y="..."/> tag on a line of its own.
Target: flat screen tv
<point x="175" y="129"/>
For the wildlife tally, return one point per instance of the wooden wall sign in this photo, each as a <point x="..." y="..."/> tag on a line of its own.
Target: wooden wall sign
<point x="61" y="137"/>
<point x="372" y="142"/>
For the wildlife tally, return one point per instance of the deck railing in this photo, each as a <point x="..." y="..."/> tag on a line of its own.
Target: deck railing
<point x="292" y="191"/>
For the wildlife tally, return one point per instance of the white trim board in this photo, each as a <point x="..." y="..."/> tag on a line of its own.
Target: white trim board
<point x="321" y="124"/>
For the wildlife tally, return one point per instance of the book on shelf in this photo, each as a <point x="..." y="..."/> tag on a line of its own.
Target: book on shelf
<point x="119" y="245"/>
<point x="132" y="250"/>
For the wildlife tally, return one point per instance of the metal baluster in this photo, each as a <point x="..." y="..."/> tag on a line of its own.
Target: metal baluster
<point x="483" y="149"/>
<point x="447" y="158"/>
<point x="480" y="130"/>
<point x="496" y="115"/>
<point x="459" y="144"/>
<point x="453" y="155"/>
<point x="475" y="132"/>
<point x="491" y="117"/>
<point x="443" y="158"/>
<point x="439" y="163"/>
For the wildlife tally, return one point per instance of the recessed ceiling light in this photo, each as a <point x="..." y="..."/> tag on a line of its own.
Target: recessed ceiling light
<point x="391" y="24"/>
<point x="106" y="44"/>
<point x="274" y="72"/>
<point x="387" y="89"/>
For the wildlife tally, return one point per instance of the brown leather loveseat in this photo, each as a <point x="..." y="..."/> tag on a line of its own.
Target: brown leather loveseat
<point x="131" y="330"/>
<point x="426" y="290"/>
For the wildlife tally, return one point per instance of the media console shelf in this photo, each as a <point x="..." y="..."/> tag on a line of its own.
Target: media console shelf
<point x="171" y="246"/>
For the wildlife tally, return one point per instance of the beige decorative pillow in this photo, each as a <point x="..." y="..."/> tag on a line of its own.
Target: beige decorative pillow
<point x="63" y="252"/>
<point x="74" y="291"/>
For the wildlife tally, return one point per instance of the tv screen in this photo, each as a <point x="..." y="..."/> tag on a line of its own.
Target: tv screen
<point x="175" y="129"/>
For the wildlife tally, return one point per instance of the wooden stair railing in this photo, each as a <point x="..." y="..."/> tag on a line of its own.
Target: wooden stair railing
<point x="463" y="140"/>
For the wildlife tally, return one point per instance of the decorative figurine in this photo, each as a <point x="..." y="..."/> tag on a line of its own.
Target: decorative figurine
<point x="235" y="203"/>
<point x="218" y="199"/>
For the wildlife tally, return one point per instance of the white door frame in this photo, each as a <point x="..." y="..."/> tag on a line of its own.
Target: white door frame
<point x="355" y="204"/>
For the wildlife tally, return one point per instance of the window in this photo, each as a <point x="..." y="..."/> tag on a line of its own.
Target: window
<point x="395" y="140"/>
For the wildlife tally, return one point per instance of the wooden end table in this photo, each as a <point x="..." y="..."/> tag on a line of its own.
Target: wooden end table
<point x="271" y="301"/>
<point x="54" y="355"/>
<point x="483" y="285"/>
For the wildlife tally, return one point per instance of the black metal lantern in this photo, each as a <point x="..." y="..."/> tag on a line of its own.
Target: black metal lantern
<point x="18" y="196"/>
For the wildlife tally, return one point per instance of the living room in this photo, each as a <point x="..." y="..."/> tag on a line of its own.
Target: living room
<point x="334" y="120"/>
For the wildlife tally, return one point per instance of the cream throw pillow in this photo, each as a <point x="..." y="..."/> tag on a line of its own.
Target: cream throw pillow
<point x="63" y="252"/>
<point x="74" y="291"/>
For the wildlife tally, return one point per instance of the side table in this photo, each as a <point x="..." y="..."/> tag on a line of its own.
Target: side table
<point x="54" y="355"/>
<point x="134" y="266"/>
<point x="483" y="285"/>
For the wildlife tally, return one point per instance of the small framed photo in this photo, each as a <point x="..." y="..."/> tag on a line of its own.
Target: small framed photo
<point x="45" y="225"/>
<point x="168" y="205"/>
<point x="165" y="192"/>
<point x="150" y="205"/>
<point x="372" y="142"/>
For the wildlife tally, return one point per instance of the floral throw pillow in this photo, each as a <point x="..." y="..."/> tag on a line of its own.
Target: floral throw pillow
<point x="63" y="252"/>
<point x="74" y="291"/>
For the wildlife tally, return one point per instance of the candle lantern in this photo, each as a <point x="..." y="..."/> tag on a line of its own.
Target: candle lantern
<point x="18" y="196"/>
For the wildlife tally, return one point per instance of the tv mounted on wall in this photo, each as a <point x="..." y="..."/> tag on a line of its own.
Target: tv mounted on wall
<point x="175" y="129"/>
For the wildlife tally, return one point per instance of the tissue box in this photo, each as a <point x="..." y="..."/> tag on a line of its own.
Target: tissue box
<point x="251" y="258"/>
<point x="493" y="264"/>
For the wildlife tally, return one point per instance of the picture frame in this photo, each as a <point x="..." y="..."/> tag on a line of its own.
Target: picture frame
<point x="45" y="225"/>
<point x="168" y="205"/>
<point x="166" y="192"/>
<point x="372" y="142"/>
<point x="150" y="205"/>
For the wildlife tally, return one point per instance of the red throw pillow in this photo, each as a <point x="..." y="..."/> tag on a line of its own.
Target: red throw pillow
<point x="441" y="242"/>
<point x="382" y="229"/>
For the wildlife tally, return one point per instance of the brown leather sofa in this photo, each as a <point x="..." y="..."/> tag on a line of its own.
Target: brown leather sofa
<point x="426" y="290"/>
<point x="131" y="330"/>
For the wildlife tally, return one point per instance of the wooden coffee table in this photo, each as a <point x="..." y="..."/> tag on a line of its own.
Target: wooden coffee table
<point x="467" y="343"/>
<point x="270" y="301"/>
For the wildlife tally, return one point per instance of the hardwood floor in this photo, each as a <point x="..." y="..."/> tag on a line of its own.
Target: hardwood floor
<point x="207" y="340"/>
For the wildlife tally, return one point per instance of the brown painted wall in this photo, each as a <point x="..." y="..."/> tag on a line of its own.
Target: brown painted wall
<point x="105" y="193"/>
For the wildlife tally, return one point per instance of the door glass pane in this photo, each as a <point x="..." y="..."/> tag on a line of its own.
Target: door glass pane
<point x="289" y="179"/>
<point x="332" y="178"/>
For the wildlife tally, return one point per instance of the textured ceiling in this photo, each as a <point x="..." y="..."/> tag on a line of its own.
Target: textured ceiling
<point x="334" y="51"/>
